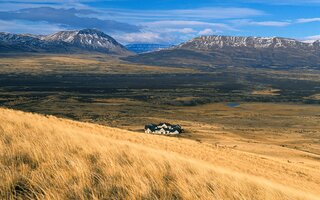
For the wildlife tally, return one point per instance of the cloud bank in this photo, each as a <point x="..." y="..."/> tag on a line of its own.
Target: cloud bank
<point x="67" y="18"/>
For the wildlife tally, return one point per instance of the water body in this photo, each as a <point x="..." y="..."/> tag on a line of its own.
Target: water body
<point x="233" y="105"/>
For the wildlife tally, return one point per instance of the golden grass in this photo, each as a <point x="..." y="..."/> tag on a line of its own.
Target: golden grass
<point x="59" y="63"/>
<point x="51" y="158"/>
<point x="269" y="92"/>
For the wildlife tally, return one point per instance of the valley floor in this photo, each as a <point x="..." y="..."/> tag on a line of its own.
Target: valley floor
<point x="249" y="133"/>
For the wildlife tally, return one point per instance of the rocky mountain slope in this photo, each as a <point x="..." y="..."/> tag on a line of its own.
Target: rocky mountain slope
<point x="211" y="51"/>
<point x="29" y="43"/>
<point x="86" y="40"/>
<point x="212" y="42"/>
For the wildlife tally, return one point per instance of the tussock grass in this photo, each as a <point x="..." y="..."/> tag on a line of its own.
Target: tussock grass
<point x="50" y="158"/>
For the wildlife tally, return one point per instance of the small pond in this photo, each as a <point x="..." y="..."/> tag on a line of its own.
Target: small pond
<point x="233" y="104"/>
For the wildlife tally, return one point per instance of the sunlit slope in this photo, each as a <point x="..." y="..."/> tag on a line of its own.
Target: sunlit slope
<point x="50" y="158"/>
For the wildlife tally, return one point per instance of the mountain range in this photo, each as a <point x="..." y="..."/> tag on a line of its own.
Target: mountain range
<point x="81" y="41"/>
<point x="211" y="51"/>
<point x="200" y="52"/>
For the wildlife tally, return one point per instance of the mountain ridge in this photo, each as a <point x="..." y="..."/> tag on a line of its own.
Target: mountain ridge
<point x="199" y="52"/>
<point x="85" y="40"/>
<point x="250" y="41"/>
<point x="213" y="51"/>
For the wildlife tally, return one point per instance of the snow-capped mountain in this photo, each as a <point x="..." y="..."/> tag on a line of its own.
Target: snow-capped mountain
<point x="85" y="40"/>
<point x="316" y="44"/>
<point x="211" y="42"/>
<point x="212" y="51"/>
<point x="90" y="39"/>
<point x="28" y="43"/>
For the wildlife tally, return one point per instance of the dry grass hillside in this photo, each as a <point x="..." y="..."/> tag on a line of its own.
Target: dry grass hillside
<point x="44" y="157"/>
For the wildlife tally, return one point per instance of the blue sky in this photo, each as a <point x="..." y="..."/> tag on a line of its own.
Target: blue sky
<point x="165" y="21"/>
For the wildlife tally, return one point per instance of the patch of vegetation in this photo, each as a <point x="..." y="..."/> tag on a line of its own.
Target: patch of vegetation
<point x="20" y="158"/>
<point x="22" y="188"/>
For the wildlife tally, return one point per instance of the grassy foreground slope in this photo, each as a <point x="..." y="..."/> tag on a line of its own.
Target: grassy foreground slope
<point x="44" y="157"/>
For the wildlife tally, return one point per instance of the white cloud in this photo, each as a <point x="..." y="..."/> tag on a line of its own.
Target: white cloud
<point x="144" y="37"/>
<point x="271" y="23"/>
<point x="247" y="22"/>
<point x="217" y="13"/>
<point x="308" y="20"/>
<point x="184" y="23"/>
<point x="17" y="5"/>
<point x="205" y="13"/>
<point x="177" y="30"/>
<point x="283" y="2"/>
<point x="18" y="26"/>
<point x="76" y="19"/>
<point x="206" y="31"/>
<point x="166" y="36"/>
<point x="312" y="38"/>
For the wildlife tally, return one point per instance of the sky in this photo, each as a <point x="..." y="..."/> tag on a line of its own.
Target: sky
<point x="165" y="21"/>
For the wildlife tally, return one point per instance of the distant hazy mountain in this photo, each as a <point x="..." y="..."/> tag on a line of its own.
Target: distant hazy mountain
<point x="209" y="51"/>
<point x="143" y="48"/>
<point x="87" y="40"/>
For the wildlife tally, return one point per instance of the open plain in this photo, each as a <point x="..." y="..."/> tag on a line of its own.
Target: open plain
<point x="248" y="133"/>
